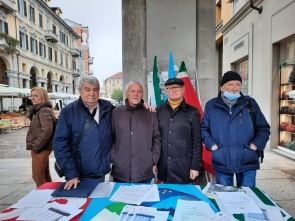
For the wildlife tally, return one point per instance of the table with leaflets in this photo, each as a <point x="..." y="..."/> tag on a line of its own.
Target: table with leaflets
<point x="104" y="209"/>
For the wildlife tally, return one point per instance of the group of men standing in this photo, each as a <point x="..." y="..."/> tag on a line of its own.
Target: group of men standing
<point x="141" y="142"/>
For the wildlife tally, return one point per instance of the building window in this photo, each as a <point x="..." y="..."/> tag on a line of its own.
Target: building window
<point x="34" y="45"/>
<point x="117" y="81"/>
<point x="74" y="65"/>
<point x="55" y="56"/>
<point x="67" y="61"/>
<point x="40" y="21"/>
<point x="242" y="68"/>
<point x="42" y="49"/>
<point x="54" y="29"/>
<point x="32" y="14"/>
<point x="3" y="27"/>
<point x="50" y="53"/>
<point x="22" y="7"/>
<point x="23" y="40"/>
<point x="81" y="56"/>
<point x="61" y="59"/>
<point x="48" y="25"/>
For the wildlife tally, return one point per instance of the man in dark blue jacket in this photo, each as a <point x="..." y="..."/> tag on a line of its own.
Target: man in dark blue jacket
<point x="92" y="157"/>
<point x="228" y="131"/>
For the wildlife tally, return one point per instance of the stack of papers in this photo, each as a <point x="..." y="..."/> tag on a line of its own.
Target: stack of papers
<point x="136" y="194"/>
<point x="140" y="213"/>
<point x="51" y="211"/>
<point x="36" y="198"/>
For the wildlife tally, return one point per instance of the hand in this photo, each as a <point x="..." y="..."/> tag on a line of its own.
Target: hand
<point x="155" y="169"/>
<point x="72" y="182"/>
<point x="194" y="174"/>
<point x="253" y="147"/>
<point x="147" y="106"/>
<point x="214" y="147"/>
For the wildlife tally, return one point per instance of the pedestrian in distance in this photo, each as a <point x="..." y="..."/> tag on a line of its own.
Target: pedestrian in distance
<point x="40" y="134"/>
<point x="179" y="123"/>
<point x="136" y="139"/>
<point x="229" y="132"/>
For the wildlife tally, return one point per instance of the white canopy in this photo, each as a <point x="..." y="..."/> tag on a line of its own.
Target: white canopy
<point x="63" y="96"/>
<point x="15" y="92"/>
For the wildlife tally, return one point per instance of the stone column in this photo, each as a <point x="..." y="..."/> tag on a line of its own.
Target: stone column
<point x="134" y="42"/>
<point x="206" y="52"/>
<point x="64" y="89"/>
<point x="27" y="83"/>
<point x="76" y="89"/>
<point x="53" y="87"/>
<point x="45" y="85"/>
<point x="20" y="81"/>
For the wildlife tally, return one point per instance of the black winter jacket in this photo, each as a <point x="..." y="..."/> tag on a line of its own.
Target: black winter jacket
<point x="181" y="142"/>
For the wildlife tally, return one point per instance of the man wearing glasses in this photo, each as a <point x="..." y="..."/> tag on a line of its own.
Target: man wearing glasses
<point x="179" y="123"/>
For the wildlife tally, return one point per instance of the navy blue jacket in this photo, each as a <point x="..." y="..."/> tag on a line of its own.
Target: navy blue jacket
<point x="92" y="157"/>
<point x="232" y="131"/>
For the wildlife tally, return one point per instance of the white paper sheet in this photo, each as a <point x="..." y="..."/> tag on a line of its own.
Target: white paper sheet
<point x="270" y="213"/>
<point x="141" y="213"/>
<point x="103" y="189"/>
<point x="238" y="202"/>
<point x="221" y="216"/>
<point x="192" y="211"/>
<point x="154" y="194"/>
<point x="36" y="198"/>
<point x="131" y="194"/>
<point x="50" y="212"/>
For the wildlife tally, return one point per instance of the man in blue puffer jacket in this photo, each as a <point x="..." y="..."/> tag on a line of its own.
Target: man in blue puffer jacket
<point x="92" y="157"/>
<point x="227" y="130"/>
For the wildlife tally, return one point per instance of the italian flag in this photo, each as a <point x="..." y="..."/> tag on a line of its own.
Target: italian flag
<point x="191" y="98"/>
<point x="156" y="97"/>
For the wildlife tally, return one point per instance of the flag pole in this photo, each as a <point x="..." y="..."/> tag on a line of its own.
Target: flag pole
<point x="197" y="84"/>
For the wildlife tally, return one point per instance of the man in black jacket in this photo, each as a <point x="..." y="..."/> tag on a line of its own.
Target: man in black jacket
<point x="179" y="123"/>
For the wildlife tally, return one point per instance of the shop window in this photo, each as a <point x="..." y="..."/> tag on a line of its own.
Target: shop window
<point x="242" y="69"/>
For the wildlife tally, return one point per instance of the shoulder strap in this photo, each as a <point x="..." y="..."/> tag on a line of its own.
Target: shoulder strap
<point x="84" y="129"/>
<point x="252" y="113"/>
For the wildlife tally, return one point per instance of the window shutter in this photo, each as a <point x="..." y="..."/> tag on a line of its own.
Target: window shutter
<point x="40" y="48"/>
<point x="36" y="46"/>
<point x="27" y="42"/>
<point x="33" y="15"/>
<point x="6" y="27"/>
<point x="25" y="8"/>
<point x="44" y="51"/>
<point x="20" y="40"/>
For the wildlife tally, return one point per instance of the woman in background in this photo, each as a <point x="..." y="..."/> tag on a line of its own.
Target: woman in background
<point x="40" y="133"/>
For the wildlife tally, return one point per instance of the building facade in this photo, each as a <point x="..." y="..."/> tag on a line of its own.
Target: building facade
<point x="113" y="82"/>
<point x="46" y="54"/>
<point x="84" y="59"/>
<point x="259" y="43"/>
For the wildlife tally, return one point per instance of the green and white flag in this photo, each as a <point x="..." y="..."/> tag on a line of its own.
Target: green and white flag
<point x="154" y="89"/>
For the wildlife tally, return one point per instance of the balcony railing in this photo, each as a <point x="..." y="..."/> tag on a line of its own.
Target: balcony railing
<point x="50" y="36"/>
<point x="75" y="52"/>
<point x="76" y="73"/>
<point x="90" y="60"/>
<point x="9" y="5"/>
<point x="10" y="46"/>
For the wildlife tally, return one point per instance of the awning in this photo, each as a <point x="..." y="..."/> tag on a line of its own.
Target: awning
<point x="15" y="92"/>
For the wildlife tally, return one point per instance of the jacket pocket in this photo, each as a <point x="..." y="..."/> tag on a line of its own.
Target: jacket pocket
<point x="249" y="155"/>
<point x="221" y="156"/>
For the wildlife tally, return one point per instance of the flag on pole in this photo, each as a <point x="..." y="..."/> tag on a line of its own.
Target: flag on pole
<point x="157" y="98"/>
<point x="192" y="99"/>
<point x="170" y="71"/>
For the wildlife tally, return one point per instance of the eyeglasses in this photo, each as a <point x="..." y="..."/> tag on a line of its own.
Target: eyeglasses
<point x="177" y="88"/>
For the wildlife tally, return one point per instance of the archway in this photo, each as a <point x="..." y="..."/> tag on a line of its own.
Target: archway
<point x="33" y="74"/>
<point x="3" y="75"/>
<point x="49" y="84"/>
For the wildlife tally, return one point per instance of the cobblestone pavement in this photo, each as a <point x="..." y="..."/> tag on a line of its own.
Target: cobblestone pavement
<point x="13" y="145"/>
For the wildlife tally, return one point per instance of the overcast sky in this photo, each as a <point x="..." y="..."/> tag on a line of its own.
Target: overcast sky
<point x="103" y="18"/>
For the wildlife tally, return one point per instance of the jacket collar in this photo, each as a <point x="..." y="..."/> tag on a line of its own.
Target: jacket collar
<point x="138" y="106"/>
<point x="182" y="105"/>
